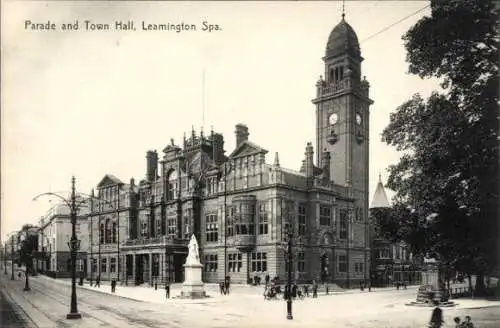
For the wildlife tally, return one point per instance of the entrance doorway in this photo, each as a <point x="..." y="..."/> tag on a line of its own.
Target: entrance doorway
<point x="179" y="260"/>
<point x="139" y="269"/>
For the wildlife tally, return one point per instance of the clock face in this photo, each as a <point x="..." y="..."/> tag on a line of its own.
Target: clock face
<point x="358" y="119"/>
<point x="333" y="119"/>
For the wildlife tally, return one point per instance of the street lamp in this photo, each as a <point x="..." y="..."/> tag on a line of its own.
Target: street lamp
<point x="5" y="258"/>
<point x="28" y="259"/>
<point x="288" y="252"/>
<point x="12" y="258"/>
<point x="74" y="244"/>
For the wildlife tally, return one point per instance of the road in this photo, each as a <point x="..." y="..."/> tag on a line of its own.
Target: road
<point x="48" y="303"/>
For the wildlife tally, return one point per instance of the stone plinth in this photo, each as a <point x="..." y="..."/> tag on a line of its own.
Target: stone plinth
<point x="428" y="294"/>
<point x="193" y="286"/>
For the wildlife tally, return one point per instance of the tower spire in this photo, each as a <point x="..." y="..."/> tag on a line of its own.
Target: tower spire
<point x="204" y="96"/>
<point x="343" y="9"/>
<point x="379" y="177"/>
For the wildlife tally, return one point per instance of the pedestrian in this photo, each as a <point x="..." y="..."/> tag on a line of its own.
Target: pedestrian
<point x="221" y="288"/>
<point x="98" y="282"/>
<point x="227" y="284"/>
<point x="294" y="291"/>
<point x="267" y="279"/>
<point x="361" y="285"/>
<point x="113" y="285"/>
<point x="167" y="289"/>
<point x="315" y="289"/>
<point x="437" y="316"/>
<point x="306" y="290"/>
<point x="457" y="322"/>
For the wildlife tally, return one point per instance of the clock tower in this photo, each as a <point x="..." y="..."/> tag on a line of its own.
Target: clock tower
<point x="342" y="112"/>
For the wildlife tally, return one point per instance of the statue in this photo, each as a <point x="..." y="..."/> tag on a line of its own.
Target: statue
<point x="193" y="255"/>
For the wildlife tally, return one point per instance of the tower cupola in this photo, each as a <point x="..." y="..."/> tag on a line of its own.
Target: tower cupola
<point x="343" y="40"/>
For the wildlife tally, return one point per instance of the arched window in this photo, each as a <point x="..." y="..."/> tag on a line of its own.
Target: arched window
<point x="101" y="233"/>
<point x="108" y="232"/>
<point x="114" y="232"/>
<point x="172" y="185"/>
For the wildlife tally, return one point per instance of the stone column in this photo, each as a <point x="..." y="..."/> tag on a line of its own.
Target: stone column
<point x="150" y="263"/>
<point x="134" y="259"/>
<point x="161" y="265"/>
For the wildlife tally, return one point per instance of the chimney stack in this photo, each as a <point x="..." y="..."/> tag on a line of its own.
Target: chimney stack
<point x="241" y="134"/>
<point x="309" y="164"/>
<point x="151" y="165"/>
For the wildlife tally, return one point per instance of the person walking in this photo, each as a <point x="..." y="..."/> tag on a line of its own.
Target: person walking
<point x="315" y="289"/>
<point x="167" y="289"/>
<point x="113" y="285"/>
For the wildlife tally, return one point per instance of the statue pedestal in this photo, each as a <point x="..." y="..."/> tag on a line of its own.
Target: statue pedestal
<point x="193" y="286"/>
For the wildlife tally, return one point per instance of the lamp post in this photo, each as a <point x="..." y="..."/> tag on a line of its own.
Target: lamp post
<point x="288" y="251"/>
<point x="73" y="244"/>
<point x="225" y="218"/>
<point x="5" y="258"/>
<point x="12" y="258"/>
<point x="73" y="314"/>
<point x="28" y="262"/>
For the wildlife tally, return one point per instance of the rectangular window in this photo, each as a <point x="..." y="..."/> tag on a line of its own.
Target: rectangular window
<point x="342" y="263"/>
<point x="158" y="227"/>
<point x="103" y="265"/>
<point x="230" y="220"/>
<point x="172" y="190"/>
<point x="186" y="223"/>
<point x="212" y="228"/>
<point x="384" y="253"/>
<point x="235" y="262"/>
<point x="343" y="224"/>
<point x="263" y="219"/>
<point x="211" y="263"/>
<point x="112" y="265"/>
<point x="325" y="215"/>
<point x="172" y="227"/>
<point x="358" y="267"/>
<point x="301" y="262"/>
<point x="301" y="220"/>
<point x="259" y="262"/>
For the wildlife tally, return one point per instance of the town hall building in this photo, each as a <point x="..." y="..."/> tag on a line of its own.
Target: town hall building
<point x="243" y="208"/>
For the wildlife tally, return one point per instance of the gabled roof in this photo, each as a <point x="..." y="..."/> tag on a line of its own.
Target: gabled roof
<point x="380" y="197"/>
<point x="247" y="148"/>
<point x="109" y="180"/>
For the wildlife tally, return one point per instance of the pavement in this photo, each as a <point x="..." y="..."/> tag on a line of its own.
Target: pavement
<point x="48" y="303"/>
<point x="11" y="314"/>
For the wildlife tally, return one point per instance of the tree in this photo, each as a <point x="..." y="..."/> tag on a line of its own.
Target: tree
<point x="448" y="174"/>
<point x="28" y="246"/>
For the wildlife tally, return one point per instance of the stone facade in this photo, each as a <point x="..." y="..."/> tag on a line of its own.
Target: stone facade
<point x="54" y="233"/>
<point x="241" y="208"/>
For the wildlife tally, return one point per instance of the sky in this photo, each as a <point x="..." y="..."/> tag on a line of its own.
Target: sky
<point x="87" y="103"/>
